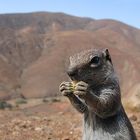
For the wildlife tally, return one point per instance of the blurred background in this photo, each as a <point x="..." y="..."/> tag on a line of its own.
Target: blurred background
<point x="36" y="40"/>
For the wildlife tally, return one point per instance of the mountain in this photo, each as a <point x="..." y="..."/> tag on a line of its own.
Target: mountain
<point x="34" y="51"/>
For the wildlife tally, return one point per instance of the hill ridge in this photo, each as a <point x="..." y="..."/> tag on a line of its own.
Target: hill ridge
<point x="34" y="49"/>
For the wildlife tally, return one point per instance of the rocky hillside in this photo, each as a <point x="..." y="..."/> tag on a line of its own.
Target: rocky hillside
<point x="34" y="49"/>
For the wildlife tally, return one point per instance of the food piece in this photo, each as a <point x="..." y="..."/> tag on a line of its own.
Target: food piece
<point x="73" y="85"/>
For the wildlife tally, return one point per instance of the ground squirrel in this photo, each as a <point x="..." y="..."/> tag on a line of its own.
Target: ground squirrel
<point x="97" y="95"/>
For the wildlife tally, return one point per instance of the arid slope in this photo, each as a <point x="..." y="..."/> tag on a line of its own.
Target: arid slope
<point x="34" y="49"/>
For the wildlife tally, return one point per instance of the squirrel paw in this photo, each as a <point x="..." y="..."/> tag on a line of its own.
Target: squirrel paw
<point x="81" y="89"/>
<point x="66" y="88"/>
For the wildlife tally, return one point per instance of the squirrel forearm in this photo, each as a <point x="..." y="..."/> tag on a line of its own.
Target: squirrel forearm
<point x="79" y="105"/>
<point x="105" y="105"/>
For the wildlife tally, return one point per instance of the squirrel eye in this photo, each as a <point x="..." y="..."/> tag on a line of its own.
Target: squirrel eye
<point x="95" y="60"/>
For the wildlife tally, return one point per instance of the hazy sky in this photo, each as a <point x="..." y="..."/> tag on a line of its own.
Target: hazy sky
<point x="127" y="11"/>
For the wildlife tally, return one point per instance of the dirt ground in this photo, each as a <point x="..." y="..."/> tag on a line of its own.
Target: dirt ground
<point x="47" y="121"/>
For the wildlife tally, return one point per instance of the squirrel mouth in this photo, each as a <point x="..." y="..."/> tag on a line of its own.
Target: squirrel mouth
<point x="74" y="78"/>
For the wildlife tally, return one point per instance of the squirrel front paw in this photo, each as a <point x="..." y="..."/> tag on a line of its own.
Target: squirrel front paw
<point x="66" y="88"/>
<point x="81" y="89"/>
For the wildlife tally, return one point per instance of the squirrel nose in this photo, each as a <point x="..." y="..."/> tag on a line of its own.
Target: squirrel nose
<point x="72" y="72"/>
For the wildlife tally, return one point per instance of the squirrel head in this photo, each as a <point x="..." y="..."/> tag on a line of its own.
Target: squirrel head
<point x="91" y="66"/>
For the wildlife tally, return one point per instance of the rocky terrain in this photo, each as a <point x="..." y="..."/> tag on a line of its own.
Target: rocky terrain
<point x="47" y="121"/>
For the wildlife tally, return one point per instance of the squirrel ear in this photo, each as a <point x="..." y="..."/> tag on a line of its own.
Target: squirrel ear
<point x="107" y="55"/>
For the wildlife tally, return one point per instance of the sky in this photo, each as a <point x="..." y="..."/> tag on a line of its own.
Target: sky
<point x="127" y="11"/>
